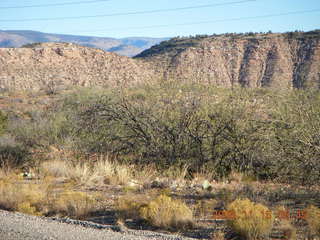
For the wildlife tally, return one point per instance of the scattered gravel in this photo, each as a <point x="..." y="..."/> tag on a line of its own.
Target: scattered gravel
<point x="17" y="226"/>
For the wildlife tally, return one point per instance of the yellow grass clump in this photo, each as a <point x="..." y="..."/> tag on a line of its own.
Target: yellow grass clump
<point x="165" y="212"/>
<point x="128" y="206"/>
<point x="288" y="230"/>
<point x="45" y="198"/>
<point x="24" y="197"/>
<point x="75" y="204"/>
<point x="101" y="172"/>
<point x="251" y="221"/>
<point x="313" y="219"/>
<point x="162" y="211"/>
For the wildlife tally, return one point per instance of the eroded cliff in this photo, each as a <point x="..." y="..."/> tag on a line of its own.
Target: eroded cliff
<point x="255" y="60"/>
<point x="289" y="60"/>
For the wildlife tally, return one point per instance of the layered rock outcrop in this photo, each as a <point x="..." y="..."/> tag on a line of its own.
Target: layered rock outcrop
<point x="262" y="60"/>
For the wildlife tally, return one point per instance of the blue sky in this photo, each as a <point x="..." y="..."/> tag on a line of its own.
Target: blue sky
<point x="132" y="25"/>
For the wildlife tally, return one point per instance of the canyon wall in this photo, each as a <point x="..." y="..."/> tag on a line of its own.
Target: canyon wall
<point x="285" y="61"/>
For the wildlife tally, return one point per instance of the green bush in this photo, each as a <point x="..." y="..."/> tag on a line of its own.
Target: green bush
<point x="256" y="132"/>
<point x="3" y="122"/>
<point x="14" y="156"/>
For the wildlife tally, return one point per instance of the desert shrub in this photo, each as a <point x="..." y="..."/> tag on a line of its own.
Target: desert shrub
<point x="203" y="208"/>
<point x="254" y="132"/>
<point x="296" y="138"/>
<point x="49" y="129"/>
<point x="171" y="129"/>
<point x="42" y="199"/>
<point x="218" y="235"/>
<point x="26" y="207"/>
<point x="251" y="221"/>
<point x="165" y="212"/>
<point x="99" y="172"/>
<point x="288" y="230"/>
<point x="128" y="207"/>
<point x="75" y="204"/>
<point x="55" y="168"/>
<point x="27" y="198"/>
<point x="313" y="219"/>
<point x="14" y="156"/>
<point x="3" y="122"/>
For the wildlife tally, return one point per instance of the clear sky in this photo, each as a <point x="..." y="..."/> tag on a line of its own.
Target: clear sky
<point x="214" y="18"/>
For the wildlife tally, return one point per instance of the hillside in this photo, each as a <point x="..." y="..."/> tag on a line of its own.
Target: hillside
<point x="288" y="60"/>
<point x="56" y="65"/>
<point x="250" y="60"/>
<point x="126" y="46"/>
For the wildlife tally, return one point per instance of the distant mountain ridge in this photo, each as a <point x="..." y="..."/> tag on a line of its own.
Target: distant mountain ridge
<point x="125" y="47"/>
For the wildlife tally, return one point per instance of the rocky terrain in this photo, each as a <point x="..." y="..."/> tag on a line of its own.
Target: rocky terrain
<point x="289" y="60"/>
<point x="50" y="66"/>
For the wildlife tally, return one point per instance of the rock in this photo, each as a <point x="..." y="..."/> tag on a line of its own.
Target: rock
<point x="260" y="60"/>
<point x="56" y="66"/>
<point x="27" y="175"/>
<point x="133" y="184"/>
<point x="206" y="185"/>
<point x="159" y="184"/>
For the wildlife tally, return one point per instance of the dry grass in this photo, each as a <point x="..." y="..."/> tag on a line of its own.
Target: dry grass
<point x="289" y="231"/>
<point x="83" y="173"/>
<point x="162" y="211"/>
<point x="55" y="168"/>
<point x="128" y="206"/>
<point x="75" y="204"/>
<point x="45" y="198"/>
<point x="25" y="197"/>
<point x="236" y="176"/>
<point x="168" y="213"/>
<point x="28" y="208"/>
<point x="204" y="207"/>
<point x="5" y="173"/>
<point x="251" y="221"/>
<point x="286" y="227"/>
<point x="219" y="235"/>
<point x="313" y="219"/>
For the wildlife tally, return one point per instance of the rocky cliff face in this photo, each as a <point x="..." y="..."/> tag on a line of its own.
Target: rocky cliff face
<point x="263" y="60"/>
<point x="58" y="65"/>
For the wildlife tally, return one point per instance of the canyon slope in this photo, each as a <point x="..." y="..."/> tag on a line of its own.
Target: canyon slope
<point x="58" y="65"/>
<point x="273" y="60"/>
<point x="288" y="60"/>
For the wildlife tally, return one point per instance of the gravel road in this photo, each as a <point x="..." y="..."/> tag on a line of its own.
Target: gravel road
<point x="17" y="226"/>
